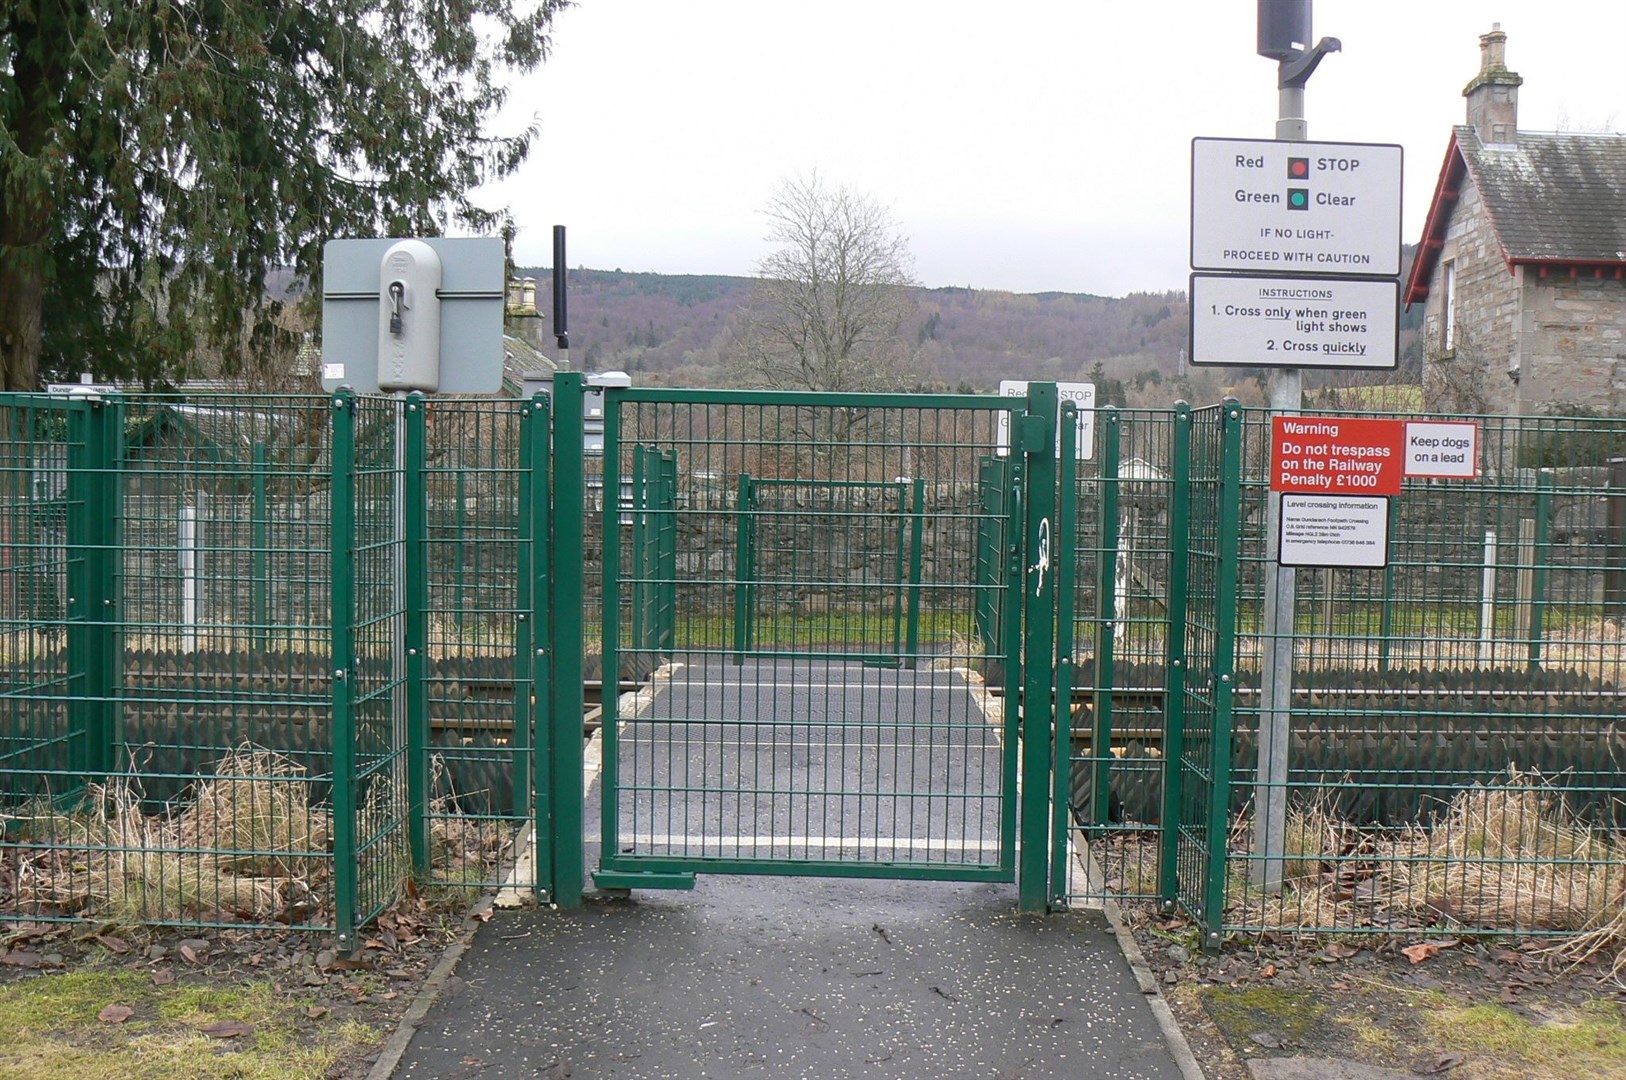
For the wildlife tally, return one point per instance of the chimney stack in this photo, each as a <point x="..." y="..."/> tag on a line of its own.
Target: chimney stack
<point x="1493" y="95"/>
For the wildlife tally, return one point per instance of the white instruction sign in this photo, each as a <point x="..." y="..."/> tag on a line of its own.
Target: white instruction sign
<point x="1441" y="449"/>
<point x="1081" y="394"/>
<point x="1334" y="530"/>
<point x="1248" y="320"/>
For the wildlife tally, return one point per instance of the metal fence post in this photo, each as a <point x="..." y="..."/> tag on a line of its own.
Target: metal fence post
<point x="1063" y="559"/>
<point x="1107" y="620"/>
<point x="537" y="420"/>
<point x="343" y="605"/>
<point x="1011" y="550"/>
<point x="569" y="527"/>
<point x="668" y="554"/>
<point x="917" y="538"/>
<point x="1386" y="616"/>
<point x="1224" y="674"/>
<point x="610" y="628"/>
<point x="527" y="631"/>
<point x="1038" y="443"/>
<point x="415" y="559"/>
<point x="743" y="600"/>
<point x="92" y="551"/>
<point x="1543" y="557"/>
<point x="1174" y="674"/>
<point x="259" y="568"/>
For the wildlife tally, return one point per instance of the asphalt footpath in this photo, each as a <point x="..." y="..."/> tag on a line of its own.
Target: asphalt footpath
<point x="789" y="977"/>
<point x="784" y="977"/>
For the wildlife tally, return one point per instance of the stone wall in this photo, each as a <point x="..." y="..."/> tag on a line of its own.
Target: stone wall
<point x="1487" y="310"/>
<point x="1572" y="342"/>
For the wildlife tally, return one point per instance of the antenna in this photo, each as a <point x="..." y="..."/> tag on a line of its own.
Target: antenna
<point x="561" y="325"/>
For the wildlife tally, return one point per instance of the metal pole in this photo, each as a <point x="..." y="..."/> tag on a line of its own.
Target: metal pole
<point x="399" y="709"/>
<point x="1276" y="683"/>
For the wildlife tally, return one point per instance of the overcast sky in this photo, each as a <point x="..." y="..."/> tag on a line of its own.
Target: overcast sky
<point x="1024" y="144"/>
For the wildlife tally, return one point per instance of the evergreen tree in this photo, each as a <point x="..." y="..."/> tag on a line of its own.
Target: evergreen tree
<point x="159" y="159"/>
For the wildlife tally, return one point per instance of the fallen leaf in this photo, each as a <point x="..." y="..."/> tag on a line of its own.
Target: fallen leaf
<point x="1423" y="950"/>
<point x="163" y="977"/>
<point x="115" y="1014"/>
<point x="316" y="1012"/>
<point x="1268" y="971"/>
<point x="483" y="916"/>
<point x="22" y="959"/>
<point x="227" y="1029"/>
<point x="190" y="955"/>
<point x="1341" y="951"/>
<point x="118" y="945"/>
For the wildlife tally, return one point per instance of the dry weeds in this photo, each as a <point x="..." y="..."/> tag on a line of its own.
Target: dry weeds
<point x="249" y="844"/>
<point x="1508" y="857"/>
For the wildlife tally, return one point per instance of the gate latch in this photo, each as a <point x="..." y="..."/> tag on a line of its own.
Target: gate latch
<point x="1033" y="433"/>
<point x="1043" y="564"/>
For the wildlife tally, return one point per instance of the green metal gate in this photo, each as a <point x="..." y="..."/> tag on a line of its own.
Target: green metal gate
<point x="846" y="608"/>
<point x="789" y="526"/>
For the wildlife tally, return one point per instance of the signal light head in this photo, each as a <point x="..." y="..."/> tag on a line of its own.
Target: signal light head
<point x="1298" y="168"/>
<point x="1298" y="198"/>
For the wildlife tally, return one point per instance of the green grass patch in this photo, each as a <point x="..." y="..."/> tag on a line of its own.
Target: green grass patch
<point x="53" y="1030"/>
<point x="1587" y="1041"/>
<point x="1289" y="1014"/>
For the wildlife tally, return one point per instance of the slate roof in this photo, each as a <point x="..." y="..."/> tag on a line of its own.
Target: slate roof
<point x="520" y="358"/>
<point x="1551" y="197"/>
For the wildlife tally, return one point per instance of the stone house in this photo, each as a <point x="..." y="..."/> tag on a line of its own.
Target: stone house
<point x="1522" y="264"/>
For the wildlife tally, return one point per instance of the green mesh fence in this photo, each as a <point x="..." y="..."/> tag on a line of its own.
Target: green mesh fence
<point x="1453" y="761"/>
<point x="190" y="736"/>
<point x="1454" y="758"/>
<point x="166" y="632"/>
<point x="1131" y="492"/>
<point x="480" y="522"/>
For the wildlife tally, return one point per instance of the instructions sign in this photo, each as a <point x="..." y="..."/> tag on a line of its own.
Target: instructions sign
<point x="1336" y="531"/>
<point x="1443" y="450"/>
<point x="1336" y="455"/>
<point x="1250" y="320"/>
<point x="1081" y="394"/>
<point x="1295" y="207"/>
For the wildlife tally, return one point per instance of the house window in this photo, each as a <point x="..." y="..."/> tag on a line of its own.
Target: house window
<point x="1448" y="306"/>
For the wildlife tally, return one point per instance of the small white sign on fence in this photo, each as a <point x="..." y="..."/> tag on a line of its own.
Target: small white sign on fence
<point x="1334" y="530"/>
<point x="1442" y="449"/>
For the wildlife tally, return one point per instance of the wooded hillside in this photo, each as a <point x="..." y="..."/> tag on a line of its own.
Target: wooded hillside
<point x="677" y="330"/>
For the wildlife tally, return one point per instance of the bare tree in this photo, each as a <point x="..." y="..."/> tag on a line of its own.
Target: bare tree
<point x="832" y="297"/>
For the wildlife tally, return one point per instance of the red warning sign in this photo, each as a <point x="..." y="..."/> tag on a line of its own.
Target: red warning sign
<point x="1335" y="455"/>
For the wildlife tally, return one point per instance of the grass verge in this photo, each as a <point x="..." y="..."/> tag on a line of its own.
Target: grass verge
<point x="54" y="1029"/>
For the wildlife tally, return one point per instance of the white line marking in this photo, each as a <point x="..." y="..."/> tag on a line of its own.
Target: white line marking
<point x="901" y="843"/>
<point x="792" y="685"/>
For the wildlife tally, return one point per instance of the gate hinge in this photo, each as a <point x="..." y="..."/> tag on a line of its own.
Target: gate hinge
<point x="1034" y="433"/>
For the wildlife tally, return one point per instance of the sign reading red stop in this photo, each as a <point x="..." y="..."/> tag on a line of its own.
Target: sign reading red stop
<point x="1336" y="455"/>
